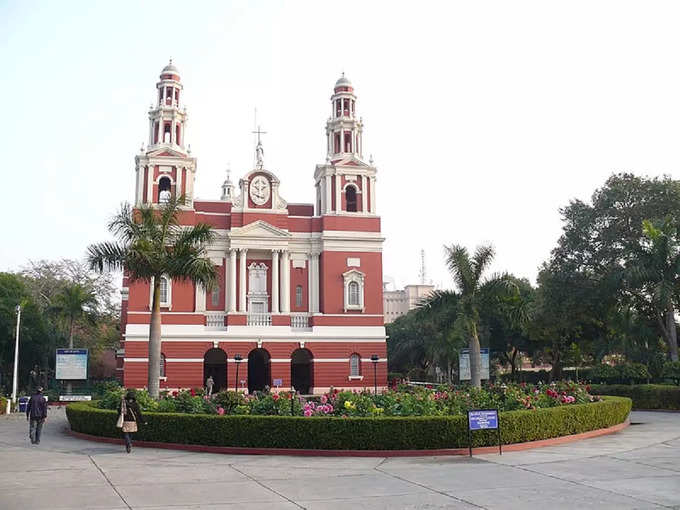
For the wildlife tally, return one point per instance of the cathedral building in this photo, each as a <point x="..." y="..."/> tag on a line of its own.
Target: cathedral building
<point x="299" y="300"/>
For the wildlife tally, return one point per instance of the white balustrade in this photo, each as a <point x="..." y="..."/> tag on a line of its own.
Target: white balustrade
<point x="215" y="320"/>
<point x="259" y="319"/>
<point x="299" y="321"/>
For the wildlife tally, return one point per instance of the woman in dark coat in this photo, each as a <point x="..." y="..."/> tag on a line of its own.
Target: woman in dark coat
<point x="132" y="415"/>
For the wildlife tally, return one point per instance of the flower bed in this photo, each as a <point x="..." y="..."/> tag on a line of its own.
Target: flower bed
<point x="644" y="396"/>
<point x="408" y="401"/>
<point x="353" y="421"/>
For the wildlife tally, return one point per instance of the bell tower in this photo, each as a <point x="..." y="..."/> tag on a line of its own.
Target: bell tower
<point x="345" y="184"/>
<point x="166" y="167"/>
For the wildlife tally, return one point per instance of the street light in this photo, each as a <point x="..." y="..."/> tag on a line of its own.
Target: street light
<point x="375" y="359"/>
<point x="16" y="359"/>
<point x="237" y="359"/>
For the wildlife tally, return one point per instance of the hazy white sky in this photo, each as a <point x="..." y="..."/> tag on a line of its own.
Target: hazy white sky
<point x="483" y="117"/>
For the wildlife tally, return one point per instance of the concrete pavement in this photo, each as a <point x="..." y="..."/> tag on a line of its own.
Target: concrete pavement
<point x="638" y="468"/>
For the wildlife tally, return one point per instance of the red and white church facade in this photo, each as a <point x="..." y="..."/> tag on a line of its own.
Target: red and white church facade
<point x="299" y="299"/>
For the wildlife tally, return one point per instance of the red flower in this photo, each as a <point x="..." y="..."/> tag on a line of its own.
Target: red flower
<point x="175" y="393"/>
<point x="275" y="396"/>
<point x="193" y="392"/>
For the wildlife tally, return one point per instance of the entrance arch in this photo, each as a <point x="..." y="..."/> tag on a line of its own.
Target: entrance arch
<point x="259" y="370"/>
<point x="215" y="365"/>
<point x="302" y="370"/>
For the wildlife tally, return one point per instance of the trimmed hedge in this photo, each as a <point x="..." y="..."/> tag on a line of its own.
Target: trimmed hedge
<point x="332" y="433"/>
<point x="644" y="396"/>
<point x="3" y="405"/>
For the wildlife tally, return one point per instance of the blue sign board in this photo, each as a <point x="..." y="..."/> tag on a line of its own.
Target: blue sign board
<point x="481" y="419"/>
<point x="71" y="364"/>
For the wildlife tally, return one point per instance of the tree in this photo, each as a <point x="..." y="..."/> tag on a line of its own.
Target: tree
<point x="467" y="274"/>
<point x="654" y="276"/>
<point x="151" y="244"/>
<point x="507" y="322"/>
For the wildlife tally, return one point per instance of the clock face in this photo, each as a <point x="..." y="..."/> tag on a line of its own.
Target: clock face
<point x="259" y="190"/>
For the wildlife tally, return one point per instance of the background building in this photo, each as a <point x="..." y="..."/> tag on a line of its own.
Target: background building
<point x="398" y="302"/>
<point x="299" y="298"/>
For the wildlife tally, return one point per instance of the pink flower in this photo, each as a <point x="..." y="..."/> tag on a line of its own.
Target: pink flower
<point x="220" y="411"/>
<point x="324" y="399"/>
<point x="275" y="396"/>
<point x="308" y="412"/>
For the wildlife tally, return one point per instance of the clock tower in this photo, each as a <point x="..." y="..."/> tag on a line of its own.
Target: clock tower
<point x="345" y="184"/>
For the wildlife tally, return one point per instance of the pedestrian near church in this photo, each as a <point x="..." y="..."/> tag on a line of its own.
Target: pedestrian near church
<point x="130" y="415"/>
<point x="36" y="414"/>
<point x="209" y="384"/>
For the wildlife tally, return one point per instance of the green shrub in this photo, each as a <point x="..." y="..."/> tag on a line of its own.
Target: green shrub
<point x="671" y="370"/>
<point x="381" y="433"/>
<point x="644" y="396"/>
<point x="3" y="405"/>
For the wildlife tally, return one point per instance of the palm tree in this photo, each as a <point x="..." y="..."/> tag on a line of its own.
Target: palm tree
<point x="655" y="276"/>
<point x="72" y="303"/>
<point x="152" y="244"/>
<point x="473" y="291"/>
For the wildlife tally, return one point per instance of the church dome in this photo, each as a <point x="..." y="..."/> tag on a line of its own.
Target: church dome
<point x="343" y="82"/>
<point x="170" y="68"/>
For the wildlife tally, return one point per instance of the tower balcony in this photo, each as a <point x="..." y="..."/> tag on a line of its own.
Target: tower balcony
<point x="259" y="319"/>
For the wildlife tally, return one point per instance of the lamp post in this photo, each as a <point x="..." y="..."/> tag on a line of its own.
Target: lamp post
<point x="292" y="397"/>
<point x="237" y="359"/>
<point x="375" y="359"/>
<point x="15" y="380"/>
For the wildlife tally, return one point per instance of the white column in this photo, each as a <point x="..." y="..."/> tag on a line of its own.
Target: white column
<point x="242" y="280"/>
<point x="200" y="298"/>
<point x="327" y="185"/>
<point x="364" y="195"/>
<point x="342" y="137"/>
<point x="150" y="132"/>
<point x="178" y="192"/>
<point x="172" y="130"/>
<point x="338" y="187"/>
<point x="232" y="280"/>
<point x="285" y="282"/>
<point x="275" y="281"/>
<point x="310" y="282"/>
<point x="160" y="128"/>
<point x="314" y="267"/>
<point x="373" y="195"/>
<point x="149" y="185"/>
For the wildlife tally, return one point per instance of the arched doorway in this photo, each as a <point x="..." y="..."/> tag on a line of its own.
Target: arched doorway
<point x="215" y="365"/>
<point x="259" y="370"/>
<point x="301" y="371"/>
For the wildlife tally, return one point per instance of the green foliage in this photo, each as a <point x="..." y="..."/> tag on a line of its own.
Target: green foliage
<point x="671" y="370"/>
<point x="384" y="433"/>
<point x="3" y="405"/>
<point x="644" y="396"/>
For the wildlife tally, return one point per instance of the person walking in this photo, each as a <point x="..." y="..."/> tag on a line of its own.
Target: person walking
<point x="131" y="415"/>
<point x="36" y="414"/>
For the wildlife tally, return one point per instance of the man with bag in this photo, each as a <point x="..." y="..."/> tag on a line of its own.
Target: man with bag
<point x="36" y="413"/>
<point x="129" y="416"/>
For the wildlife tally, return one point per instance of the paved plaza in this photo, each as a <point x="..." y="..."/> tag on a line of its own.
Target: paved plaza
<point x="637" y="468"/>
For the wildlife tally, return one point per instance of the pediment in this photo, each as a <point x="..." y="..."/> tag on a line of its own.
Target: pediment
<point x="166" y="152"/>
<point x="350" y="161"/>
<point x="259" y="230"/>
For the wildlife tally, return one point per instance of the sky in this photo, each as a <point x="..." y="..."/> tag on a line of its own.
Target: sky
<point x="483" y="118"/>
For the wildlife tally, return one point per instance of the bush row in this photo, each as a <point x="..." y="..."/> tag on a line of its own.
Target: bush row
<point x="3" y="405"/>
<point x="627" y="373"/>
<point x="644" y="396"/>
<point x="352" y="433"/>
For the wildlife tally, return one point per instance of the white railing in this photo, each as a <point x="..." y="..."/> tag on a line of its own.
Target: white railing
<point x="259" y="319"/>
<point x="214" y="320"/>
<point x="299" y="321"/>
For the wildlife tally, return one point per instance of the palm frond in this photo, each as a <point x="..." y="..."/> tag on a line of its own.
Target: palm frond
<point x="107" y="255"/>
<point x="459" y="265"/>
<point x="481" y="260"/>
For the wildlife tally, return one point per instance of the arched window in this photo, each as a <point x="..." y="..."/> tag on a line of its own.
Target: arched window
<point x="163" y="365"/>
<point x="298" y="296"/>
<point x="164" y="189"/>
<point x="355" y="365"/>
<point x="164" y="291"/>
<point x="353" y="290"/>
<point x="351" y="198"/>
